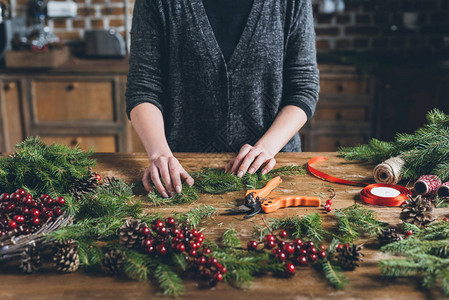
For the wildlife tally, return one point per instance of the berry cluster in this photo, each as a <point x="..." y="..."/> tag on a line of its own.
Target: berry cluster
<point x="328" y="205"/>
<point x="291" y="253"/>
<point x="167" y="236"/>
<point x="21" y="213"/>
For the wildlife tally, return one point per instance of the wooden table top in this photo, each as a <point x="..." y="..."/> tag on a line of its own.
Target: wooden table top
<point x="365" y="282"/>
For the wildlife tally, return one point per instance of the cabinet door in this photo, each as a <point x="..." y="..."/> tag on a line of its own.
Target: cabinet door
<point x="11" y="115"/>
<point x="73" y="101"/>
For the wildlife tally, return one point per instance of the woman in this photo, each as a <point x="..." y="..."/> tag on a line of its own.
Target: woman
<point x="220" y="76"/>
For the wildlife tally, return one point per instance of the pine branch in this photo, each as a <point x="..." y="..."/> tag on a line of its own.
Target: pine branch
<point x="230" y="239"/>
<point x="194" y="216"/>
<point x="333" y="274"/>
<point x="188" y="195"/>
<point x="169" y="281"/>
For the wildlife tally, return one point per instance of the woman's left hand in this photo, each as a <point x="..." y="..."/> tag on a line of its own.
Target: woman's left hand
<point x="250" y="159"/>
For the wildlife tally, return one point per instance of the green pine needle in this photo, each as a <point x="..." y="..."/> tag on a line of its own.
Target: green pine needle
<point x="169" y="281"/>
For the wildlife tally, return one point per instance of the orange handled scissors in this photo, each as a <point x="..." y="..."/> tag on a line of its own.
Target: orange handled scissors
<point x="255" y="200"/>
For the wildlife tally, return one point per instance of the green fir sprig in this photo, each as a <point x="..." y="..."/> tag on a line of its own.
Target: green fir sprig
<point x="356" y="220"/>
<point x="426" y="151"/>
<point x="426" y="255"/>
<point x="194" y="216"/>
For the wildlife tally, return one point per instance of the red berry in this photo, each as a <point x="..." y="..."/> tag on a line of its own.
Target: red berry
<point x="145" y="230"/>
<point x="159" y="223"/>
<point x="35" y="221"/>
<point x="199" y="239"/>
<point x="301" y="260"/>
<point x="170" y="222"/>
<point x="252" y="245"/>
<point x="193" y="252"/>
<point x="312" y="250"/>
<point x="270" y="237"/>
<point x="288" y="249"/>
<point x="4" y="197"/>
<point x="25" y="210"/>
<point x="150" y="250"/>
<point x="276" y="251"/>
<point x="270" y="244"/>
<point x="49" y="202"/>
<point x="445" y="219"/>
<point x="281" y="256"/>
<point x="19" y="219"/>
<point x="327" y="208"/>
<point x="206" y="251"/>
<point x="339" y="247"/>
<point x="329" y="202"/>
<point x="194" y="246"/>
<point x="98" y="177"/>
<point x="201" y="260"/>
<point x="313" y="257"/>
<point x="147" y="242"/>
<point x="15" y="197"/>
<point x="321" y="254"/>
<point x="289" y="269"/>
<point x="160" y="249"/>
<point x="283" y="234"/>
<point x="43" y="197"/>
<point x="195" y="232"/>
<point x="35" y="212"/>
<point x="310" y="244"/>
<point x="213" y="261"/>
<point x="223" y="270"/>
<point x="201" y="235"/>
<point x="298" y="242"/>
<point x="12" y="224"/>
<point x="322" y="248"/>
<point x="408" y="233"/>
<point x="181" y="235"/>
<point x="218" y="276"/>
<point x="180" y="247"/>
<point x="29" y="202"/>
<point x="303" y="252"/>
<point x="163" y="230"/>
<point x="175" y="232"/>
<point x="49" y="214"/>
<point x="21" y="192"/>
<point x="60" y="201"/>
<point x="57" y="211"/>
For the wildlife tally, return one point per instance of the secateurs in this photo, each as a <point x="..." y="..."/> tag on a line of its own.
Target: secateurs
<point x="255" y="201"/>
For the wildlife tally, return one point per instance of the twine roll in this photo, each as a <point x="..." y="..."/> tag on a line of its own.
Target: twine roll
<point x="389" y="172"/>
<point x="427" y="185"/>
<point x="443" y="190"/>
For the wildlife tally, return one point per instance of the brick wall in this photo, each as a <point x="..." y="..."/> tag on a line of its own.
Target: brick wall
<point x="365" y="25"/>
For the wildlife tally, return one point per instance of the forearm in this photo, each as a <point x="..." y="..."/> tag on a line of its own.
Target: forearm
<point x="148" y="122"/>
<point x="287" y="123"/>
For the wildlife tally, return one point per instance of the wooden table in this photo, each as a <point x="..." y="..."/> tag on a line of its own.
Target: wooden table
<point x="365" y="283"/>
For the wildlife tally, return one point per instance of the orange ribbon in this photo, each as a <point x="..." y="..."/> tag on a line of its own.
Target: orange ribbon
<point x="365" y="194"/>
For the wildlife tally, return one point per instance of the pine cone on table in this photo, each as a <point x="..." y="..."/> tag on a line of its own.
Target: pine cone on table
<point x="388" y="236"/>
<point x="129" y="235"/>
<point x="349" y="256"/>
<point x="112" y="263"/>
<point x="417" y="211"/>
<point x="66" y="256"/>
<point x="30" y="260"/>
<point x="81" y="187"/>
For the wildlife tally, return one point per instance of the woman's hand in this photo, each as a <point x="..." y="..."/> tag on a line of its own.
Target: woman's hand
<point x="250" y="159"/>
<point x="165" y="170"/>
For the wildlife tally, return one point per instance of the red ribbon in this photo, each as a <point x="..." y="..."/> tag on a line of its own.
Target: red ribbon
<point x="365" y="194"/>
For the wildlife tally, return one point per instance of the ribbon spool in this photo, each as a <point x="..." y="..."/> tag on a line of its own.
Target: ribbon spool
<point x="384" y="194"/>
<point x="376" y="194"/>
<point x="427" y="185"/>
<point x="443" y="190"/>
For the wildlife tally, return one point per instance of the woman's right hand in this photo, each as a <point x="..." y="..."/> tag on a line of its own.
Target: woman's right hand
<point x="165" y="169"/>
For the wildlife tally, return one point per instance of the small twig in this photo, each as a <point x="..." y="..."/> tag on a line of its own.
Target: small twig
<point x="266" y="224"/>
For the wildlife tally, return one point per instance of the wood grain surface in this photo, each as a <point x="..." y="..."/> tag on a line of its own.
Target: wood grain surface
<point x="365" y="283"/>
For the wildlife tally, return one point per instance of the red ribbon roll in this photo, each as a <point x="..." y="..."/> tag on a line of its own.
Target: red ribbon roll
<point x="383" y="195"/>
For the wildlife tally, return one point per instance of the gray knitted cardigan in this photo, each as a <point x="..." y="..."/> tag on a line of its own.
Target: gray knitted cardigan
<point x="210" y="105"/>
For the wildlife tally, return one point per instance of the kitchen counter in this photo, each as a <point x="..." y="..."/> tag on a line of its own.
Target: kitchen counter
<point x="365" y="282"/>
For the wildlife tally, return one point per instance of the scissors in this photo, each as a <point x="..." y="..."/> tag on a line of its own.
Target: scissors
<point x="255" y="201"/>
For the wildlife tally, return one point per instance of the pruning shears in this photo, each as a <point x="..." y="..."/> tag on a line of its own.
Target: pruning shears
<point x="255" y="201"/>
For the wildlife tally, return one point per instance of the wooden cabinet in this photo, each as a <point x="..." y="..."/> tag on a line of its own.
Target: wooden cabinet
<point x="78" y="104"/>
<point x="345" y="112"/>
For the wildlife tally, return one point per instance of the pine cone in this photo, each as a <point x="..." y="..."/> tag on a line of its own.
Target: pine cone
<point x="388" y="236"/>
<point x="80" y="187"/>
<point x="112" y="263"/>
<point x="66" y="256"/>
<point x="30" y="260"/>
<point x="349" y="256"/>
<point x="417" y="211"/>
<point x="129" y="235"/>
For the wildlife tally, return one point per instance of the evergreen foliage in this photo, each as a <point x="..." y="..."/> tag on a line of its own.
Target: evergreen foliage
<point x="426" y="255"/>
<point x="356" y="220"/>
<point x="42" y="169"/>
<point x="426" y="151"/>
